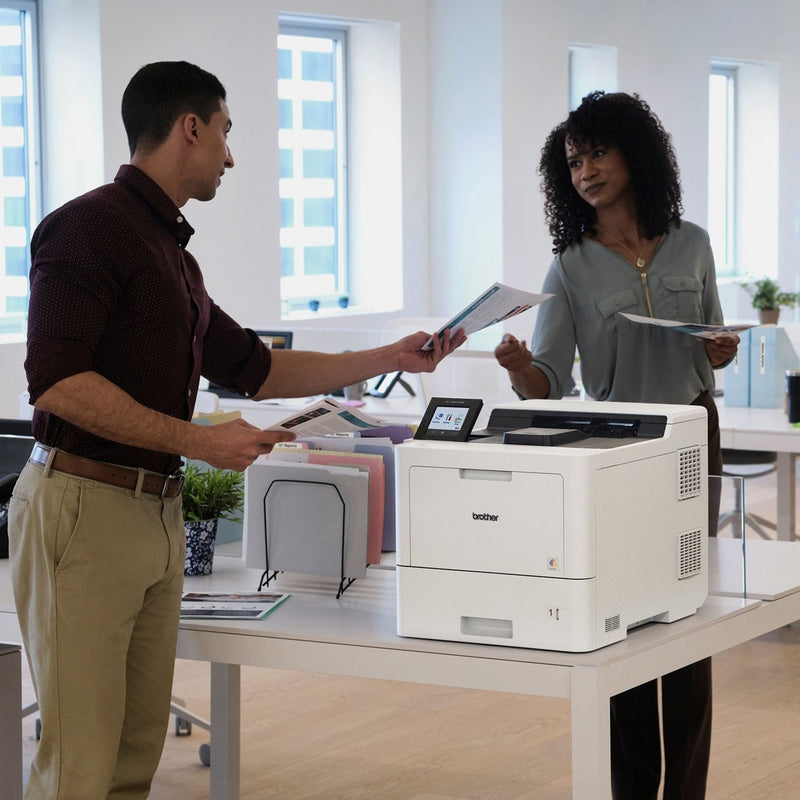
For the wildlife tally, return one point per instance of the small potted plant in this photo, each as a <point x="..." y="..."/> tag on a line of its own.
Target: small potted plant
<point x="208" y="495"/>
<point x="768" y="298"/>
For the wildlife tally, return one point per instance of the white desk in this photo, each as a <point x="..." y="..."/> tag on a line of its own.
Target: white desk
<point x="767" y="429"/>
<point x="356" y="636"/>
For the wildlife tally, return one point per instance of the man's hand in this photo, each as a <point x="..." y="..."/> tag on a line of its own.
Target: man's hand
<point x="234" y="445"/>
<point x="412" y="358"/>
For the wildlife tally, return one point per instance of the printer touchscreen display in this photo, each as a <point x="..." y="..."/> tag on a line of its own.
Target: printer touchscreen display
<point x="448" y="419"/>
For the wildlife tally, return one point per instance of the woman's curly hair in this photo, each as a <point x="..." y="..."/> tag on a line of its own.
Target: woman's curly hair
<point x="614" y="120"/>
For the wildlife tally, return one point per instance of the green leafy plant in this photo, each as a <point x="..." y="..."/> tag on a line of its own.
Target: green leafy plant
<point x="767" y="295"/>
<point x="212" y="494"/>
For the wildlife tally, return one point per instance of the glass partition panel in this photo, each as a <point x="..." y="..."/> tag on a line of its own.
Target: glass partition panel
<point x="727" y="573"/>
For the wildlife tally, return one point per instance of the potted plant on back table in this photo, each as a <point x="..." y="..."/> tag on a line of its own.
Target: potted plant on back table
<point x="208" y="495"/>
<point x="768" y="298"/>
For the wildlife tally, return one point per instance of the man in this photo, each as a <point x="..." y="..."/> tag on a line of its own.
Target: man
<point x="120" y="330"/>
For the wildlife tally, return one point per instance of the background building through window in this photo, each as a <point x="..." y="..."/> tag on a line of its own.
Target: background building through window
<point x="312" y="166"/>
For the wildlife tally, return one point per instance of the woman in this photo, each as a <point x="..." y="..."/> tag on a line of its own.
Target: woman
<point x="613" y="207"/>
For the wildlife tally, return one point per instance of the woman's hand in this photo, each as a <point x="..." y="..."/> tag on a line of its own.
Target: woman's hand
<point x="721" y="349"/>
<point x="512" y="354"/>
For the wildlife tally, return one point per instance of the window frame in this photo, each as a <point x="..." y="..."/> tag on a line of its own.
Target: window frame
<point x="724" y="245"/>
<point x="337" y="32"/>
<point x="13" y="325"/>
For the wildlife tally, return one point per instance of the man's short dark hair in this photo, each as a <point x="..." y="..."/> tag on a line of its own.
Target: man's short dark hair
<point x="159" y="93"/>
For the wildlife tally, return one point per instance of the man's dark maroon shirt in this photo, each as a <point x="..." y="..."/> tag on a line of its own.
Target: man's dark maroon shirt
<point x="114" y="291"/>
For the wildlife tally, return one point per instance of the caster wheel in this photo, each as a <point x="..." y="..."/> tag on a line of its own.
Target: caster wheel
<point x="183" y="727"/>
<point x="205" y="754"/>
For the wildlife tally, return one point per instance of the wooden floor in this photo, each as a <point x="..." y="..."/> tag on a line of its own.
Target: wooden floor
<point x="318" y="737"/>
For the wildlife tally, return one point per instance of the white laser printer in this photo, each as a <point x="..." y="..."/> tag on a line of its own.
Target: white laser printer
<point x="560" y="526"/>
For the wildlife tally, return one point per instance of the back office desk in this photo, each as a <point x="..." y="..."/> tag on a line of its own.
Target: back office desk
<point x="767" y="429"/>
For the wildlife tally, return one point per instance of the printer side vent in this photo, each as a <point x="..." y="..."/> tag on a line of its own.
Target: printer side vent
<point x="690" y="553"/>
<point x="612" y="623"/>
<point x="690" y="477"/>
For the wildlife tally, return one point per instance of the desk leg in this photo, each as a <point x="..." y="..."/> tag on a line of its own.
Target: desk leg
<point x="786" y="495"/>
<point x="225" y="730"/>
<point x="11" y="724"/>
<point x="591" y="736"/>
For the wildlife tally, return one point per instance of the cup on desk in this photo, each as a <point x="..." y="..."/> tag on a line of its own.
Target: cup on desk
<point x="793" y="394"/>
<point x="355" y="391"/>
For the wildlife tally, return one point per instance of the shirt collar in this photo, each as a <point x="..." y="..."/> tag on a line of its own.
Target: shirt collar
<point x="158" y="200"/>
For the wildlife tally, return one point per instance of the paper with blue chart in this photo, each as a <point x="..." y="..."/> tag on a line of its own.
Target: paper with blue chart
<point x="692" y="328"/>
<point x="498" y="303"/>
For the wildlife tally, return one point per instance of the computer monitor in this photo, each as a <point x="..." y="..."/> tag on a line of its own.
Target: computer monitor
<point x="16" y="443"/>
<point x="276" y="340"/>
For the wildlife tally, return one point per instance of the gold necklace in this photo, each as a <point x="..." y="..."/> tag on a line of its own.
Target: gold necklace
<point x="637" y="260"/>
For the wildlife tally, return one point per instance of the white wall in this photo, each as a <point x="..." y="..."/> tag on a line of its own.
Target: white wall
<point x="237" y="235"/>
<point x="482" y="83"/>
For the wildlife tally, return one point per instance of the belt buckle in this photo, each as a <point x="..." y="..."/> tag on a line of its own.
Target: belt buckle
<point x="178" y="476"/>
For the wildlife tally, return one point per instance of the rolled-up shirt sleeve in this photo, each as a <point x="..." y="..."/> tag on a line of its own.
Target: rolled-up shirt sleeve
<point x="234" y="357"/>
<point x="71" y="294"/>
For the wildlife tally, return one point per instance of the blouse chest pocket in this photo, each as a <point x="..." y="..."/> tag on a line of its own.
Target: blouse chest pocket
<point x="610" y="307"/>
<point x="683" y="298"/>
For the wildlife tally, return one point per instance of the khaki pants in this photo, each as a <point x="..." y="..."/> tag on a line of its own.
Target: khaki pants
<point x="97" y="574"/>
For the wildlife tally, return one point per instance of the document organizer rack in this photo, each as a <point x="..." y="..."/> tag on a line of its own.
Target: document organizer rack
<point x="333" y="499"/>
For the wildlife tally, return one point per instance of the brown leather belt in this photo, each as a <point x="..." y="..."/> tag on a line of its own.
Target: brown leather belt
<point x="124" y="477"/>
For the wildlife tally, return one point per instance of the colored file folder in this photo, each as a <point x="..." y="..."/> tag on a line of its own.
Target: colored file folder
<point x="309" y="518"/>
<point x="360" y="460"/>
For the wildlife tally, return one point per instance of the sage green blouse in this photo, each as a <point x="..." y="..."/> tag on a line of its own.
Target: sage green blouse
<point x="622" y="360"/>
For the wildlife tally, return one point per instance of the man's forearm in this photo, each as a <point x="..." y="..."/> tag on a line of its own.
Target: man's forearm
<point x="297" y="373"/>
<point x="95" y="404"/>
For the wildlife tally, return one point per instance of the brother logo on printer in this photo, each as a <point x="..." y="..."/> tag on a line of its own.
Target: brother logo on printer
<point x="487" y="517"/>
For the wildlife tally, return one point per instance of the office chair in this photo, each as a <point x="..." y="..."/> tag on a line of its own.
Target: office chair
<point x="746" y="464"/>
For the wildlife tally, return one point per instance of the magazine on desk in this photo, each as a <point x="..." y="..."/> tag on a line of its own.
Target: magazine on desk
<point x="229" y="605"/>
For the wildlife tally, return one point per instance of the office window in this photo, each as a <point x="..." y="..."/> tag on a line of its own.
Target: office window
<point x="19" y="195"/>
<point x="722" y="166"/>
<point x="311" y="140"/>
<point x="592" y="67"/>
<point x="743" y="157"/>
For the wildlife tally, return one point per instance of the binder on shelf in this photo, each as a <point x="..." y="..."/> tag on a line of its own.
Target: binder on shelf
<point x="757" y="375"/>
<point x="308" y="518"/>
<point x="737" y="374"/>
<point x="771" y="354"/>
